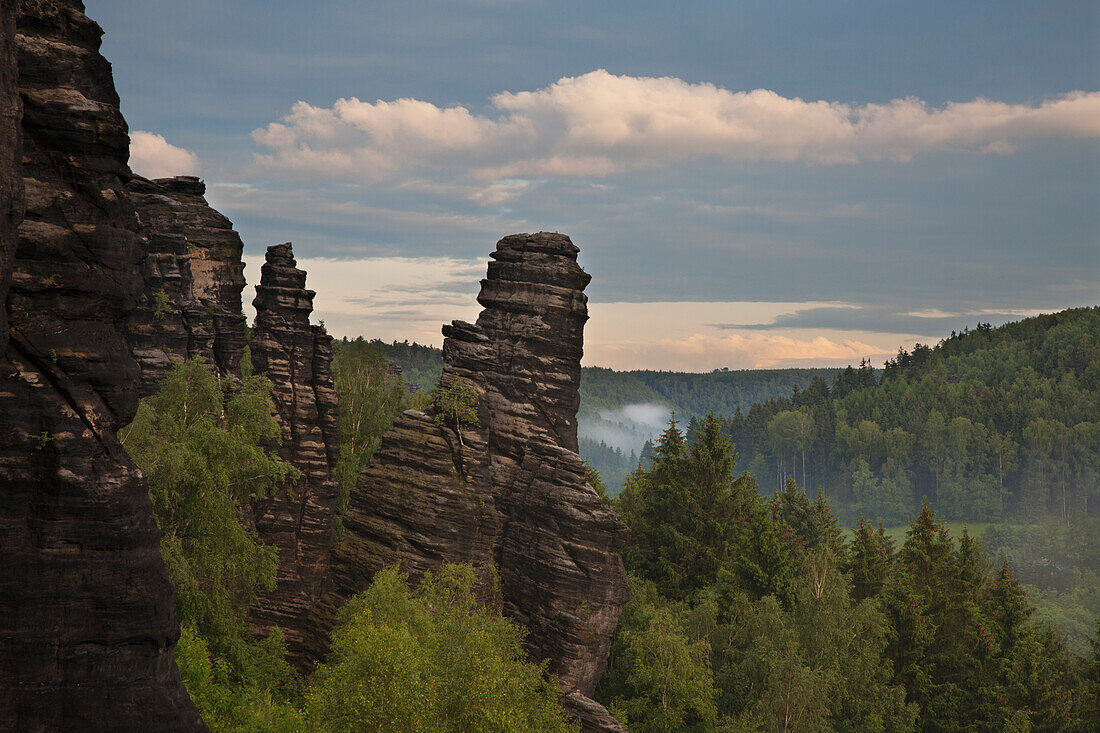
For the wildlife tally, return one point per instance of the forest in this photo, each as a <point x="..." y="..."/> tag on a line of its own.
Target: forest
<point x="757" y="612"/>
<point x="991" y="423"/>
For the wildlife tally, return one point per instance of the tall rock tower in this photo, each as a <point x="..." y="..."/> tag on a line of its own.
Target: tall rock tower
<point x="297" y="357"/>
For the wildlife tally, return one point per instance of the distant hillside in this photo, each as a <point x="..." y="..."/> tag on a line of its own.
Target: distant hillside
<point x="722" y="391"/>
<point x="991" y="423"/>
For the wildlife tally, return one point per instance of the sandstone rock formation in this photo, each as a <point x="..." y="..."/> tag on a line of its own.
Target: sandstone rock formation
<point x="297" y="358"/>
<point x="87" y="622"/>
<point x="508" y="495"/>
<point x="191" y="301"/>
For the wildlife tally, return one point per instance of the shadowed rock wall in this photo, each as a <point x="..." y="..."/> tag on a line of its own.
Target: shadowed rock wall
<point x="510" y="495"/>
<point x="190" y="305"/>
<point x="87" y="622"/>
<point x="297" y="358"/>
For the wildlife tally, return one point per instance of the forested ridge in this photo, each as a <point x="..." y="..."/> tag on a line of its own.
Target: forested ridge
<point x="991" y="423"/>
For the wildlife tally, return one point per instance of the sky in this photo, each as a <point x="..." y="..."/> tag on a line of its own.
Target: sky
<point x="751" y="184"/>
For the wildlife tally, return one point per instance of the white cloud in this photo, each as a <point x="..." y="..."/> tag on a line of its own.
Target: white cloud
<point x="599" y="124"/>
<point x="154" y="157"/>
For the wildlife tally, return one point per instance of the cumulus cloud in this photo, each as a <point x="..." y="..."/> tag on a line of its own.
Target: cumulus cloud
<point x="600" y="124"/>
<point x="154" y="157"/>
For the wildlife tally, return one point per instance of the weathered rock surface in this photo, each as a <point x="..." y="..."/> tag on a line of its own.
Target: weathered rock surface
<point x="297" y="358"/>
<point x="193" y="277"/>
<point x="11" y="177"/>
<point x="87" y="621"/>
<point x="510" y="495"/>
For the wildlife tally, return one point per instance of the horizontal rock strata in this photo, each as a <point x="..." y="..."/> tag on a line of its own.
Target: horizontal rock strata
<point x="508" y="495"/>
<point x="193" y="277"/>
<point x="87" y="622"/>
<point x="297" y="358"/>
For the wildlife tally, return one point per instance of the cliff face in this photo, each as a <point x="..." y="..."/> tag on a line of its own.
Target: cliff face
<point x="190" y="305"/>
<point x="11" y="178"/>
<point x="86" y="616"/>
<point x="297" y="358"/>
<point x="510" y="494"/>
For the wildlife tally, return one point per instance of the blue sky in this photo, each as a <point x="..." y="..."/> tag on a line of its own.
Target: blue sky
<point x="751" y="184"/>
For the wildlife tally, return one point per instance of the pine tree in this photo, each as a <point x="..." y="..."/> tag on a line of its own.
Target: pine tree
<point x="870" y="557"/>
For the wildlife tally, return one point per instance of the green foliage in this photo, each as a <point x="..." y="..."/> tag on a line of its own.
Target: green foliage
<point x="421" y="366"/>
<point x="1058" y="565"/>
<point x="202" y="448"/>
<point x="429" y="660"/>
<point x="371" y="396"/>
<point x="592" y="476"/>
<point x="224" y="701"/>
<point x="660" y="679"/>
<point x="613" y="464"/>
<point x="455" y="405"/>
<point x="162" y="305"/>
<point x="685" y="510"/>
<point x="870" y="557"/>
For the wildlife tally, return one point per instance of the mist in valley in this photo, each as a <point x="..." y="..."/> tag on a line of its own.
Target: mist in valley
<point x="626" y="428"/>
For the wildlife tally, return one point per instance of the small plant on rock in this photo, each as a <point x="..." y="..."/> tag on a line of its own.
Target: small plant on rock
<point x="162" y="305"/>
<point x="456" y="405"/>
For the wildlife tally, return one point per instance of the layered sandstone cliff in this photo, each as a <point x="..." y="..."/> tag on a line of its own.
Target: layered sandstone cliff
<point x="107" y="279"/>
<point x="508" y="494"/>
<point x="190" y="305"/>
<point x="87" y="622"/>
<point x="297" y="357"/>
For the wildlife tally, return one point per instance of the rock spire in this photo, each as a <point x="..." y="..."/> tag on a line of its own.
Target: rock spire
<point x="297" y="357"/>
<point x="507" y="494"/>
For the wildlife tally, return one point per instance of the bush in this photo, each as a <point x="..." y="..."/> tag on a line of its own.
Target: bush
<point x="429" y="660"/>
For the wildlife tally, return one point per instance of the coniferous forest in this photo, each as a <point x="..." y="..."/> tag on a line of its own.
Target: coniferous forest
<point x="755" y="612"/>
<point x="990" y="424"/>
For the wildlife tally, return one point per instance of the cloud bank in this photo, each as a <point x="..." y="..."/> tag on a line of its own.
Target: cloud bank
<point x="600" y="124"/>
<point x="154" y="157"/>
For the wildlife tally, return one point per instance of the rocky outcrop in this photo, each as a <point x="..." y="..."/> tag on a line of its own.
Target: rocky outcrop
<point x="190" y="305"/>
<point x="508" y="494"/>
<point x="87" y="622"/>
<point x="297" y="358"/>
